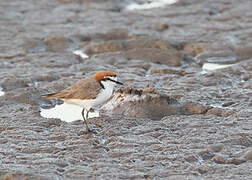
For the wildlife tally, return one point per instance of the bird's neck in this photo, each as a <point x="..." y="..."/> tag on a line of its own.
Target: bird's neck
<point x="108" y="85"/>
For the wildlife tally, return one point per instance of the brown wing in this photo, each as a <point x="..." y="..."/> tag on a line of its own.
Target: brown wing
<point x="84" y="89"/>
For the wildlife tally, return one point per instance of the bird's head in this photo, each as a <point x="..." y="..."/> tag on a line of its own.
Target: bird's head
<point x="107" y="78"/>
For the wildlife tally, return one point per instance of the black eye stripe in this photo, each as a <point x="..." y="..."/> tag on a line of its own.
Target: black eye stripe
<point x="108" y="79"/>
<point x="105" y="79"/>
<point x="102" y="86"/>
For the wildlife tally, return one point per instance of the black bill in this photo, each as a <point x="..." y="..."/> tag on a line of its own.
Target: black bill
<point x="117" y="82"/>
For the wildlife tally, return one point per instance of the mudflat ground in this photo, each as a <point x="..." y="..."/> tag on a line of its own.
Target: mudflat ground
<point x="191" y="123"/>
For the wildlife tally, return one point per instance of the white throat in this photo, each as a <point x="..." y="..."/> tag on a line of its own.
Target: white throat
<point x="109" y="84"/>
<point x="105" y="93"/>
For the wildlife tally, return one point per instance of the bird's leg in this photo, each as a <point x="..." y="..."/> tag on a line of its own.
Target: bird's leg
<point x="85" y="118"/>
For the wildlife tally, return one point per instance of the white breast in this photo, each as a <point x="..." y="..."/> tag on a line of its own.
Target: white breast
<point x="104" y="94"/>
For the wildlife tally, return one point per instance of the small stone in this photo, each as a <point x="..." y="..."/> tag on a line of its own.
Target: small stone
<point x="82" y="132"/>
<point x="246" y="77"/>
<point x="215" y="147"/>
<point x="235" y="161"/>
<point x="46" y="77"/>
<point x="57" y="44"/>
<point x="205" y="155"/>
<point x="58" y="138"/>
<point x="191" y="159"/>
<point x="202" y="170"/>
<point x="194" y="49"/>
<point x="193" y="108"/>
<point x="247" y="155"/>
<point x="8" y="176"/>
<point x="114" y="34"/>
<point x="245" y="52"/>
<point x="242" y="141"/>
<point x="110" y="46"/>
<point x="219" y="159"/>
<point x="50" y="123"/>
<point x="34" y="45"/>
<point x="60" y="169"/>
<point x="214" y="11"/>
<point x="219" y="112"/>
<point x="61" y="163"/>
<point x="168" y="71"/>
<point x="227" y="104"/>
<point x="162" y="27"/>
<point x="11" y="82"/>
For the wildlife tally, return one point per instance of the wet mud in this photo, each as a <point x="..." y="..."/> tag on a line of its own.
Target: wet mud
<point x="173" y="119"/>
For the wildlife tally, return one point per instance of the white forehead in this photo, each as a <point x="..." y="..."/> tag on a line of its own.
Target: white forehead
<point x="112" y="77"/>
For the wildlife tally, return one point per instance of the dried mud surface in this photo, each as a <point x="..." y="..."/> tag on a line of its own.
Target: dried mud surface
<point x="184" y="123"/>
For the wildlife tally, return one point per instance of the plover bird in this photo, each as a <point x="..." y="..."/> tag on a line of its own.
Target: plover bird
<point x="88" y="93"/>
